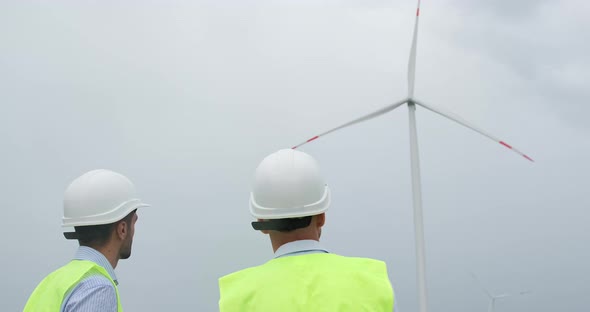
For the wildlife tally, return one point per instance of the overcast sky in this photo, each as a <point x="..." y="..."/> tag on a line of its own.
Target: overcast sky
<point x="187" y="97"/>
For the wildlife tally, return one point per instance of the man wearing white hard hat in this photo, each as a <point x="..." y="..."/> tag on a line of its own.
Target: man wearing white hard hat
<point x="101" y="206"/>
<point x="289" y="200"/>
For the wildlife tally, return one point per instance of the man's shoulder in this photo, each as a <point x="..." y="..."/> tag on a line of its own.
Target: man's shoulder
<point x="236" y="274"/>
<point x="363" y="259"/>
<point x="329" y="259"/>
<point x="336" y="260"/>
<point x="92" y="283"/>
<point x="92" y="290"/>
<point x="72" y="271"/>
<point x="95" y="280"/>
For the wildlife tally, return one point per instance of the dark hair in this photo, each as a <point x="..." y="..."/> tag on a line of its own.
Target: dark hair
<point x="283" y="225"/>
<point x="99" y="235"/>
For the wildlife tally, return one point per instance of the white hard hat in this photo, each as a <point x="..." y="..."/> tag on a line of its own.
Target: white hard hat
<point x="99" y="197"/>
<point x="288" y="184"/>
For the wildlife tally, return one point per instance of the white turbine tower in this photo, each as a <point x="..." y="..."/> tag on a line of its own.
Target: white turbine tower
<point x="493" y="298"/>
<point x="415" y="165"/>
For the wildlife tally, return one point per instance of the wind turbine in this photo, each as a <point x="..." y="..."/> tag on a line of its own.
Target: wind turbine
<point x="415" y="164"/>
<point x="493" y="298"/>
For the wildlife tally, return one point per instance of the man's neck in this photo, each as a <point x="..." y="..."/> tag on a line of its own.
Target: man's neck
<point x="112" y="254"/>
<point x="279" y="239"/>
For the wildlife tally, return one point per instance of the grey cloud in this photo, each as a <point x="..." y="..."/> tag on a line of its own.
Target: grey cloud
<point x="187" y="98"/>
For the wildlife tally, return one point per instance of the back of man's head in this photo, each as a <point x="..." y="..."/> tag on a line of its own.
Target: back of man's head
<point x="287" y="191"/>
<point x="97" y="236"/>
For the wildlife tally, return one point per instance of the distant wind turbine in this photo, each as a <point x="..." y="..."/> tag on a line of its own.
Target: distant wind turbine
<point x="415" y="164"/>
<point x="493" y="298"/>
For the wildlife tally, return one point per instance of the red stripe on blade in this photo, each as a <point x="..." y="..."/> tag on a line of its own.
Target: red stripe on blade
<point x="527" y="157"/>
<point x="418" y="12"/>
<point x="315" y="137"/>
<point x="503" y="143"/>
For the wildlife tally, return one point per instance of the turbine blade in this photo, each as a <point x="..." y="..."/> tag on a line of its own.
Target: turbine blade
<point x="469" y="125"/>
<point x="504" y="296"/>
<point x="513" y="294"/>
<point x="481" y="286"/>
<point x="412" y="61"/>
<point x="372" y="115"/>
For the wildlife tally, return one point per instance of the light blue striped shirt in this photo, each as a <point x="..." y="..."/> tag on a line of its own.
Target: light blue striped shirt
<point x="300" y="247"/>
<point x="308" y="246"/>
<point x="95" y="293"/>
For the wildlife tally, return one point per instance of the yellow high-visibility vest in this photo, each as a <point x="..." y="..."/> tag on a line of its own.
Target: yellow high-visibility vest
<point x="51" y="292"/>
<point x="312" y="282"/>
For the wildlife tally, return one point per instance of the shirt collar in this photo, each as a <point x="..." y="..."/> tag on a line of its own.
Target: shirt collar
<point x="299" y="246"/>
<point x="90" y="254"/>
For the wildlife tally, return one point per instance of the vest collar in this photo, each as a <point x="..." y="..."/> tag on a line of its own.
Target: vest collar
<point x="90" y="254"/>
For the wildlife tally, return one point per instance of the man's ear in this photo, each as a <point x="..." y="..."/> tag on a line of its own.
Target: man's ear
<point x="122" y="230"/>
<point x="320" y="220"/>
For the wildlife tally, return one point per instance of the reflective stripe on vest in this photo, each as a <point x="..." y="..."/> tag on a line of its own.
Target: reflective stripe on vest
<point x="51" y="292"/>
<point x="312" y="282"/>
